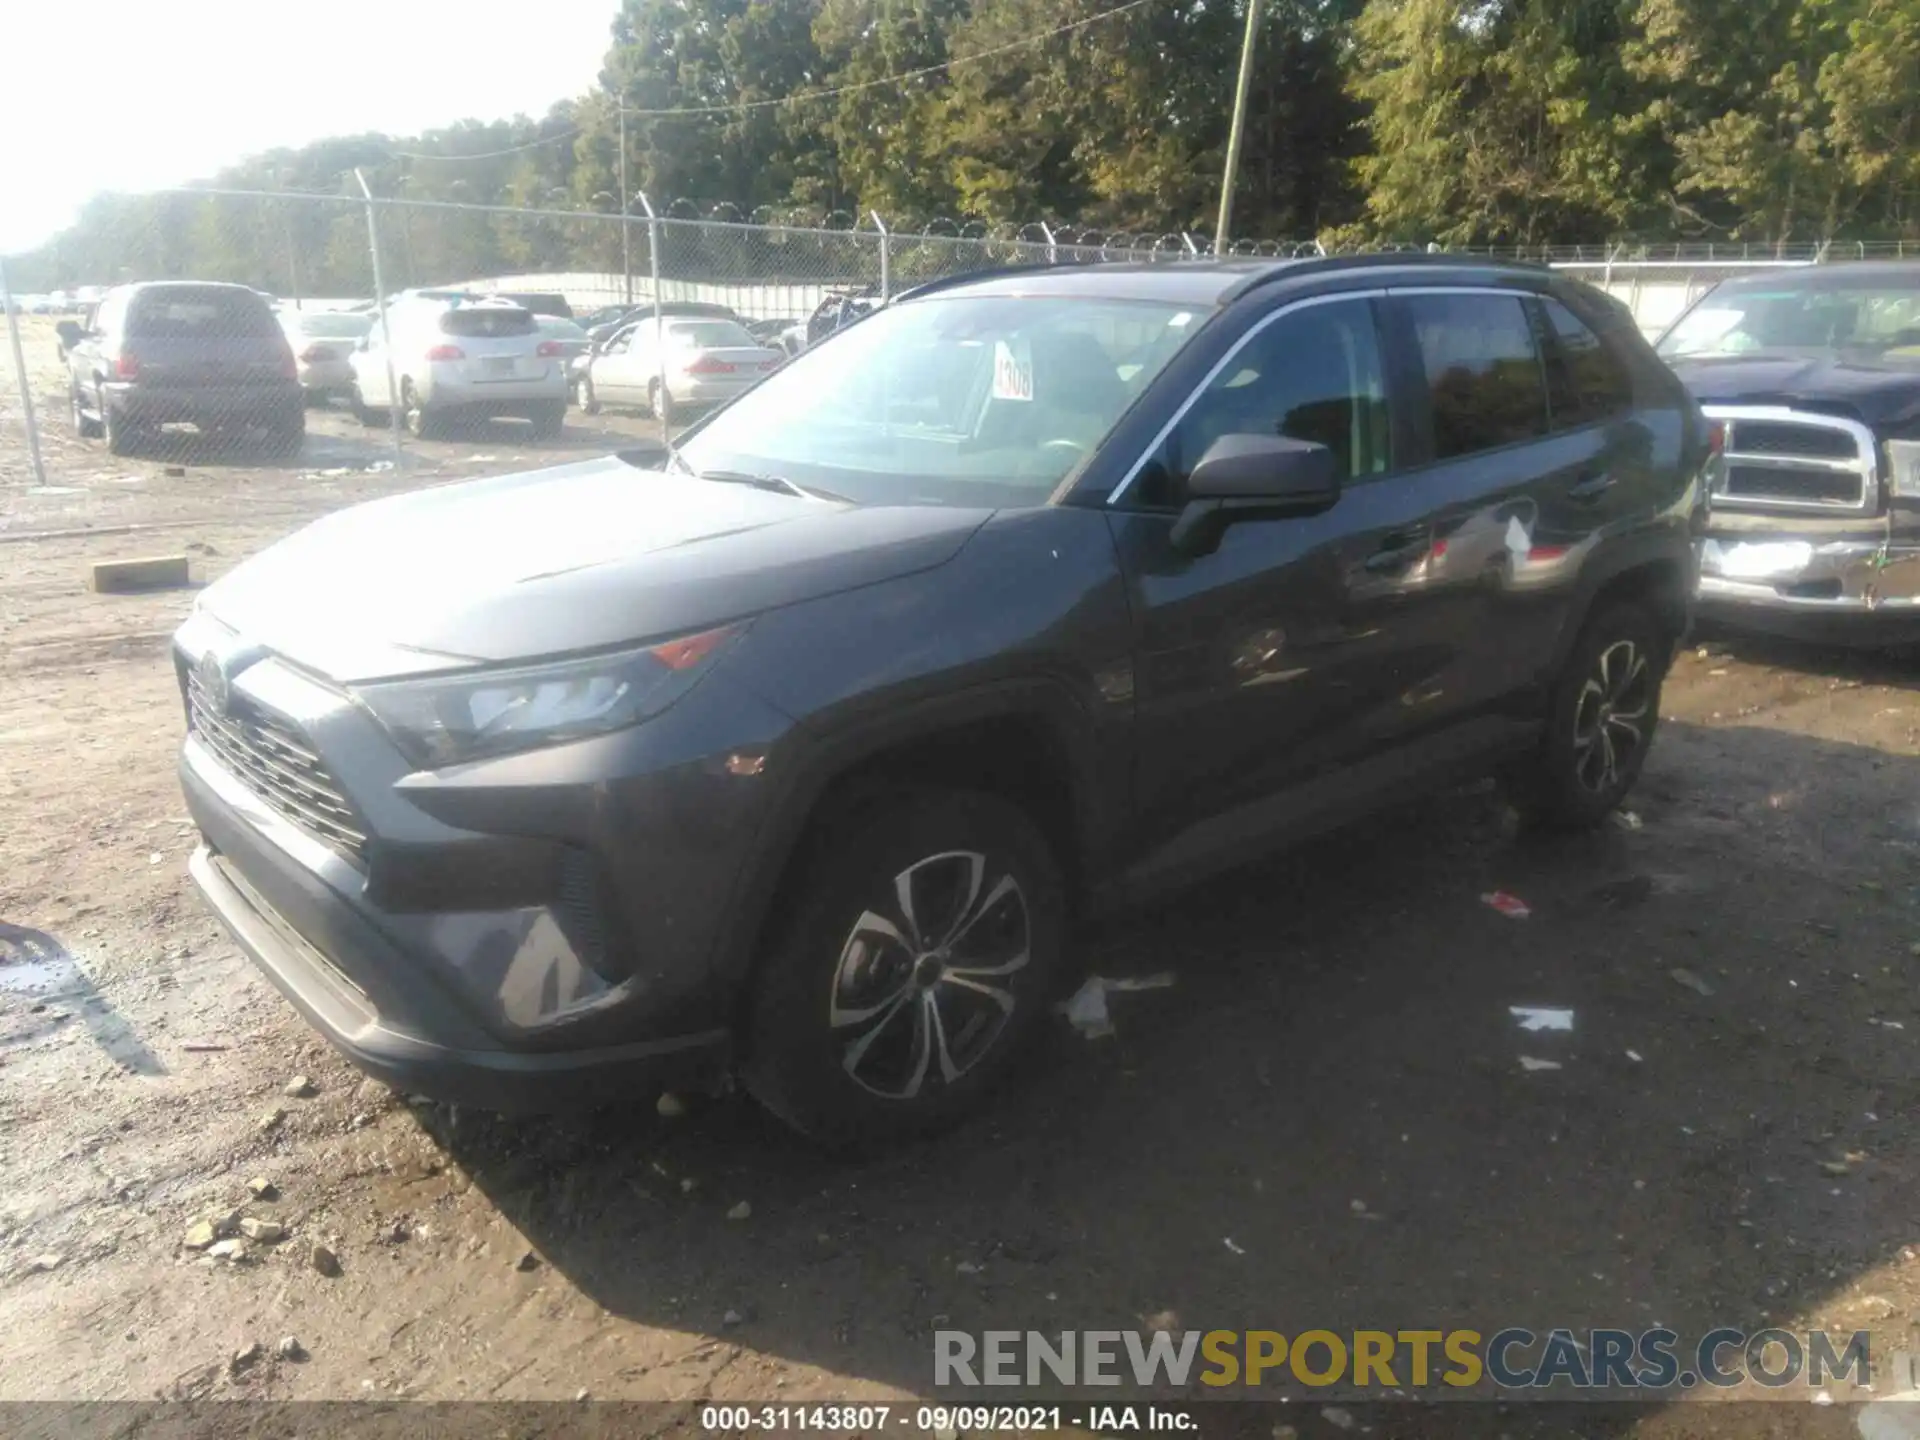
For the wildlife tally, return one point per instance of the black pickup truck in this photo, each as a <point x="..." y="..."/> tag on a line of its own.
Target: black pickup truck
<point x="1813" y="376"/>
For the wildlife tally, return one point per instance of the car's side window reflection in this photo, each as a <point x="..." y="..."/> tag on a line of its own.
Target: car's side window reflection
<point x="1314" y="374"/>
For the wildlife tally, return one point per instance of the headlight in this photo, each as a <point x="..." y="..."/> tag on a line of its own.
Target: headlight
<point x="445" y="719"/>
<point x="1903" y="469"/>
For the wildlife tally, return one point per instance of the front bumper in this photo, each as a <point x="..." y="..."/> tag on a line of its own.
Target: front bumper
<point x="1811" y="584"/>
<point x="527" y="934"/>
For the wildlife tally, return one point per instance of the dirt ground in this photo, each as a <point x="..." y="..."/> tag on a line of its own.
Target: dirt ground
<point x="1324" y="1123"/>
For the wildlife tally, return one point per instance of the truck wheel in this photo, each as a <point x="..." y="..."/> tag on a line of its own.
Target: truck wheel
<point x="1600" y="722"/>
<point x="918" y="958"/>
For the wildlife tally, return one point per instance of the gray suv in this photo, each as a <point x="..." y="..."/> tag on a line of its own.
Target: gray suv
<point x="796" y="752"/>
<point x="183" y="352"/>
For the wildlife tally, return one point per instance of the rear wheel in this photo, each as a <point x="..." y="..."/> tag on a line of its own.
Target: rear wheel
<point x="122" y="437"/>
<point x="421" y="423"/>
<point x="1601" y="720"/>
<point x="549" y="420"/>
<point x="918" y="958"/>
<point x="361" y="412"/>
<point x="285" y="437"/>
<point x="660" y="401"/>
<point x="584" y="396"/>
<point x="83" y="426"/>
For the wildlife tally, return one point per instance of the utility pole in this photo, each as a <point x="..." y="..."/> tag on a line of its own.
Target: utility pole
<point x="626" y="238"/>
<point x="1239" y="128"/>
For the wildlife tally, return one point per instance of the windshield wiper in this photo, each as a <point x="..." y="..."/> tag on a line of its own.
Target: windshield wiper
<point x="777" y="483"/>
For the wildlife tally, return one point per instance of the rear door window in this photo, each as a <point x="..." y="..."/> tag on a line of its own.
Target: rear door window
<point x="197" y="314"/>
<point x="491" y="323"/>
<point x="1486" y="385"/>
<point x="1585" y="380"/>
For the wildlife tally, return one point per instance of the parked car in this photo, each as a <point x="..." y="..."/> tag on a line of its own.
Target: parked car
<point x="567" y="334"/>
<point x="706" y="363"/>
<point x="168" y="352"/>
<point x="539" y="302"/>
<point x="685" y="309"/>
<point x="460" y="359"/>
<point x="1813" y="376"/>
<point x="323" y="342"/>
<point x="840" y="308"/>
<point x="798" y="754"/>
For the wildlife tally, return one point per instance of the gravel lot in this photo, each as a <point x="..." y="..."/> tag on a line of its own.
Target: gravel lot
<point x="1324" y="1123"/>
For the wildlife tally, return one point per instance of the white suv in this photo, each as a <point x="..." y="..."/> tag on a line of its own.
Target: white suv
<point x="461" y="358"/>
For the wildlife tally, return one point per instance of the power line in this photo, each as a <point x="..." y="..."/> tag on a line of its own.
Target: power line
<point x="805" y="96"/>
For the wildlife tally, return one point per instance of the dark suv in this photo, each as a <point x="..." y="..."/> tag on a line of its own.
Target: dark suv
<point x="169" y="352"/>
<point x="798" y="750"/>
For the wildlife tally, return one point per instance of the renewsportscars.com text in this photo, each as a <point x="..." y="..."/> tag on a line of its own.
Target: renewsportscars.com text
<point x="1511" y="1359"/>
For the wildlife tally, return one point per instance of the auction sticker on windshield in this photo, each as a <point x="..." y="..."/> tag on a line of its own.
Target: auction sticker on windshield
<point x="1012" y="370"/>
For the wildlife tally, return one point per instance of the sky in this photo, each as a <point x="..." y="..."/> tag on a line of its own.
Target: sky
<point x="138" y="94"/>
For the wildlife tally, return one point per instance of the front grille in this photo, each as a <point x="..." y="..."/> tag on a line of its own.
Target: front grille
<point x="1794" y="460"/>
<point x="277" y="763"/>
<point x="1814" y="487"/>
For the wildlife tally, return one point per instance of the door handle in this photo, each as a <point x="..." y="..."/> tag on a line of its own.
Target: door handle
<point x="1591" y="488"/>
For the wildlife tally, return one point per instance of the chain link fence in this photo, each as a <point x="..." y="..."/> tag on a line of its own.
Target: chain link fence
<point x="324" y="261"/>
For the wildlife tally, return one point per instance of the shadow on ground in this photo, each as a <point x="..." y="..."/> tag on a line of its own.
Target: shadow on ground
<point x="36" y="967"/>
<point x="1326" y="1123"/>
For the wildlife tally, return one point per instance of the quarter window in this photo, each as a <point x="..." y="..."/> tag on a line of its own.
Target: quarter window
<point x="1585" y="381"/>
<point x="1484" y="382"/>
<point x="1314" y="374"/>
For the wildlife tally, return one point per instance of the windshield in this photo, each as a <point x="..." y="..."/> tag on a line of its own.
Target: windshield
<point x="561" y="329"/>
<point x="708" y="334"/>
<point x="1878" y="321"/>
<point x="951" y="400"/>
<point x="334" y="326"/>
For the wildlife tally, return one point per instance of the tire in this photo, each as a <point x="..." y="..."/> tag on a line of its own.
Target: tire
<point x="549" y="420"/>
<point x="842" y="1041"/>
<point x="584" y="396"/>
<point x="660" y="401"/>
<point x="420" y="422"/>
<point x="368" y="418"/>
<point x="285" y="439"/>
<point x="83" y="427"/>
<point x="122" y="438"/>
<point x="1600" y="722"/>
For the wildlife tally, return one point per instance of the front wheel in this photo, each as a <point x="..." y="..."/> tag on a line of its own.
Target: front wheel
<point x="585" y="397"/>
<point x="919" y="956"/>
<point x="1604" y="709"/>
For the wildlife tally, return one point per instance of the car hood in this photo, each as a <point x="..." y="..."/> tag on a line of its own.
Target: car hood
<point x="546" y="562"/>
<point x="1887" y="397"/>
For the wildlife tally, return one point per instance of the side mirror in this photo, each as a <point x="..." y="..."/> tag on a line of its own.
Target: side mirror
<point x="645" y="454"/>
<point x="70" y="333"/>
<point x="1247" y="477"/>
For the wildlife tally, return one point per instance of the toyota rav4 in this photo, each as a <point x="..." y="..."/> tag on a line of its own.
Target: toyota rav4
<point x="795" y="752"/>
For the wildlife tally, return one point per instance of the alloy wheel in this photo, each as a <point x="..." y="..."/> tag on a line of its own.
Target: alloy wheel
<point x="1610" y="717"/>
<point x="921" y="991"/>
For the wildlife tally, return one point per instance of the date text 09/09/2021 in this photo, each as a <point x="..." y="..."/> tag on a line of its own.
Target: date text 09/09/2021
<point x="944" y="1420"/>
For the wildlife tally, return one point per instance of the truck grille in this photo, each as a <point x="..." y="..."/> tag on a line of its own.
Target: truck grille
<point x="277" y="763"/>
<point x="1796" y="460"/>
